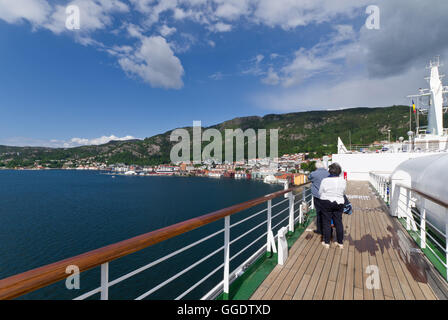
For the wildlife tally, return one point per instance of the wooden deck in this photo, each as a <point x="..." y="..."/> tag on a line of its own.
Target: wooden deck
<point x="372" y="237"/>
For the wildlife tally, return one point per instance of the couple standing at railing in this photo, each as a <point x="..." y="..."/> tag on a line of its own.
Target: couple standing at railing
<point x="328" y="189"/>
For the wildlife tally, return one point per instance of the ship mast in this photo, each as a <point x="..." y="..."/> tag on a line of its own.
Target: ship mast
<point x="435" y="94"/>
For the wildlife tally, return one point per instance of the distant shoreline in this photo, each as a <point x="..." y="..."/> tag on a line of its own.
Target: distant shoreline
<point x="108" y="173"/>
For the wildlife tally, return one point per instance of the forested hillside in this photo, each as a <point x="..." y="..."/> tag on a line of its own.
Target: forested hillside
<point x="313" y="131"/>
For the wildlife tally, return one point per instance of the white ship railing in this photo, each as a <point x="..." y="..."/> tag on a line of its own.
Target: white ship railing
<point x="414" y="206"/>
<point x="381" y="182"/>
<point x="363" y="148"/>
<point x="291" y="210"/>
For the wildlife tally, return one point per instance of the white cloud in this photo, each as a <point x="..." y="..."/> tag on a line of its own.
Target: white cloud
<point x="286" y="14"/>
<point x="183" y="43"/>
<point x="362" y="69"/>
<point x="217" y="76"/>
<point x="305" y="65"/>
<point x="58" y="143"/>
<point x="254" y="66"/>
<point x="155" y="15"/>
<point x="153" y="9"/>
<point x="232" y="9"/>
<point x="166" y="31"/>
<point x="356" y="90"/>
<point x="180" y="14"/>
<point x="135" y="31"/>
<point x="326" y="56"/>
<point x="142" y="5"/>
<point x="155" y="63"/>
<point x="411" y="32"/>
<point x="271" y="78"/>
<point x="120" y="50"/>
<point x="407" y="35"/>
<point x="14" y="11"/>
<point x="95" y="141"/>
<point x="220" y="27"/>
<point x="94" y="15"/>
<point x="289" y="14"/>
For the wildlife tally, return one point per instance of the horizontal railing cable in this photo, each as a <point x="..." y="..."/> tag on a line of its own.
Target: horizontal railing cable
<point x="279" y="203"/>
<point x="247" y="232"/>
<point x="178" y="274"/>
<point x="248" y="246"/>
<point x="248" y="218"/>
<point x="199" y="282"/>
<point x="152" y="264"/>
<point x="279" y="213"/>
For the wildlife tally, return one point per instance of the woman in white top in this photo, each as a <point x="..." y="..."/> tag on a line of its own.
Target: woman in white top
<point x="332" y="190"/>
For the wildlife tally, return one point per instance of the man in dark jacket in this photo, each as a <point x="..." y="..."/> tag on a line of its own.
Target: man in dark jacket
<point x="316" y="178"/>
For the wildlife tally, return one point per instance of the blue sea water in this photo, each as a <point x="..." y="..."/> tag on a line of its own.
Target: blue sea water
<point x="46" y="216"/>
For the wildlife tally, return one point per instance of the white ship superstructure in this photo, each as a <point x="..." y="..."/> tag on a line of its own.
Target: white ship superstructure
<point x="427" y="140"/>
<point x="410" y="176"/>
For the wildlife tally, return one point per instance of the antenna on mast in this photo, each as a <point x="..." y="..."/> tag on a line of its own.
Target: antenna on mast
<point x="435" y="99"/>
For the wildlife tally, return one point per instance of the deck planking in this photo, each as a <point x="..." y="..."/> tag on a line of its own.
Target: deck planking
<point x="372" y="238"/>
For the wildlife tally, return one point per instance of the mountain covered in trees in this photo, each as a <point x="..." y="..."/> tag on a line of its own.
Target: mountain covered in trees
<point x="313" y="131"/>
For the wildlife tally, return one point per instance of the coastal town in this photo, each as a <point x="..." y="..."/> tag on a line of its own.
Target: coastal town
<point x="291" y="168"/>
<point x="288" y="168"/>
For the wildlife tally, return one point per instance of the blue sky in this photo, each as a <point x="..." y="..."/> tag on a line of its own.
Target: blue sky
<point x="141" y="67"/>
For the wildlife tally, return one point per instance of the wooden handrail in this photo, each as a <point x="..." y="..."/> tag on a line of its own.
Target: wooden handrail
<point x="427" y="196"/>
<point x="20" y="284"/>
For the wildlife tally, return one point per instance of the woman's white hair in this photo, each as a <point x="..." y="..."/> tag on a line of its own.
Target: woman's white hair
<point x="319" y="165"/>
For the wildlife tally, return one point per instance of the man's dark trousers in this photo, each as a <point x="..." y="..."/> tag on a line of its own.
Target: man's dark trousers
<point x="332" y="211"/>
<point x="318" y="208"/>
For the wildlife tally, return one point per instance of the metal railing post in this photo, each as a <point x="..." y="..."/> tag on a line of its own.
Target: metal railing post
<point x="423" y="227"/>
<point x="408" y="209"/>
<point x="226" y="255"/>
<point x="291" y="212"/>
<point x="105" y="281"/>
<point x="380" y="187"/>
<point x="388" y="193"/>
<point x="380" y="192"/>
<point x="268" y="248"/>
<point x="376" y="184"/>
<point x="446" y="242"/>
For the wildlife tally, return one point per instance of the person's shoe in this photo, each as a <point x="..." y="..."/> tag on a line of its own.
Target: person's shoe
<point x="326" y="245"/>
<point x="341" y="246"/>
<point x="317" y="231"/>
